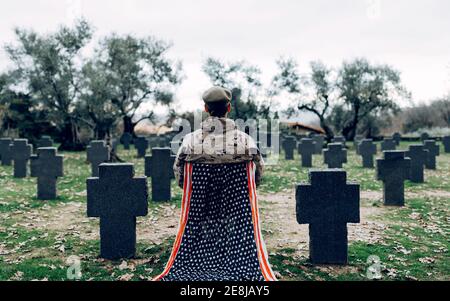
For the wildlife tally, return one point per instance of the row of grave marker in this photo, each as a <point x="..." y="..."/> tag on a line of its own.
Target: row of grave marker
<point x="117" y="197"/>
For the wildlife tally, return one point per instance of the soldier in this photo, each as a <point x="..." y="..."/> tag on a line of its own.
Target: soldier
<point x="218" y="167"/>
<point x="202" y="145"/>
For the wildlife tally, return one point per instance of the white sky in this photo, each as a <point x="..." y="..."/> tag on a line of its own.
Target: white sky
<point x="413" y="36"/>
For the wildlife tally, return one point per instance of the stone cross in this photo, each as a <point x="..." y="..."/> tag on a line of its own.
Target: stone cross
<point x="397" y="138"/>
<point x="419" y="156"/>
<point x="356" y="142"/>
<point x="393" y="170"/>
<point x="339" y="139"/>
<point x="21" y="153"/>
<point x="141" y="144"/>
<point x="446" y="142"/>
<point x="97" y="153"/>
<point x="424" y="137"/>
<point x="289" y="144"/>
<point x="433" y="152"/>
<point x="327" y="204"/>
<point x="117" y="198"/>
<point x="306" y="148"/>
<point x="159" y="166"/>
<point x="320" y="141"/>
<point x="367" y="149"/>
<point x="388" y="144"/>
<point x="45" y="141"/>
<point x="47" y="166"/>
<point x="5" y="151"/>
<point x="335" y="155"/>
<point x="126" y="140"/>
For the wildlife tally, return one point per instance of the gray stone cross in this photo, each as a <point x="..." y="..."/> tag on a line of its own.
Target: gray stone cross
<point x="97" y="153"/>
<point x="47" y="166"/>
<point x="320" y="142"/>
<point x="45" y="141"/>
<point x="424" y="137"/>
<point x="21" y="153"/>
<point x="397" y="138"/>
<point x="117" y="198"/>
<point x="388" y="144"/>
<point x="5" y="151"/>
<point x="141" y="145"/>
<point x="419" y="156"/>
<point x="339" y="139"/>
<point x="393" y="170"/>
<point x="159" y="166"/>
<point x="306" y="148"/>
<point x="335" y="155"/>
<point x="433" y="151"/>
<point x="289" y="144"/>
<point x="356" y="142"/>
<point x="327" y="204"/>
<point x="446" y="143"/>
<point x="367" y="149"/>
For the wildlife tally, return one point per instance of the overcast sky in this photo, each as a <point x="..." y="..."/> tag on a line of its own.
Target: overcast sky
<point x="413" y="36"/>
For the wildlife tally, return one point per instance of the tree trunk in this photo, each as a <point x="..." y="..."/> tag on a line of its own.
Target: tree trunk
<point x="349" y="131"/>
<point x="328" y="131"/>
<point x="69" y="136"/>
<point x="128" y="126"/>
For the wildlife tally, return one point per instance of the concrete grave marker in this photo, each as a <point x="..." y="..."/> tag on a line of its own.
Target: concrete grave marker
<point x="21" y="153"/>
<point x="419" y="156"/>
<point x="306" y="148"/>
<point x="159" y="166"/>
<point x="289" y="144"/>
<point x="97" y="153"/>
<point x="367" y="149"/>
<point x="335" y="155"/>
<point x="141" y="145"/>
<point x="6" y="151"/>
<point x="446" y="143"/>
<point x="117" y="198"/>
<point x="320" y="142"/>
<point x="47" y="166"/>
<point x="126" y="140"/>
<point x="339" y="139"/>
<point x="433" y="151"/>
<point x="424" y="137"/>
<point x="327" y="204"/>
<point x="356" y="142"/>
<point x="388" y="144"/>
<point x="45" y="141"/>
<point x="397" y="138"/>
<point x="393" y="170"/>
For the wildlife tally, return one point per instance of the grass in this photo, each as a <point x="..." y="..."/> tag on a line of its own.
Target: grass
<point x="414" y="244"/>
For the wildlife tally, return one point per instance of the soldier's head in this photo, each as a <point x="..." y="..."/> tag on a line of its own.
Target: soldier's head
<point x="217" y="101"/>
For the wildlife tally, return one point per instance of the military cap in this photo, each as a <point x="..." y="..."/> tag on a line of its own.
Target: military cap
<point x="217" y="94"/>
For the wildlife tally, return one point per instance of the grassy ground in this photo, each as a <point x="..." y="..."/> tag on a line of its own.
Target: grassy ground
<point x="414" y="241"/>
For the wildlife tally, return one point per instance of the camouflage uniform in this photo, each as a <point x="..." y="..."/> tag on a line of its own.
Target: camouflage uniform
<point x="218" y="142"/>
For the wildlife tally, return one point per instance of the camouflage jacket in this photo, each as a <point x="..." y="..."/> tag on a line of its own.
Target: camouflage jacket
<point x="218" y="142"/>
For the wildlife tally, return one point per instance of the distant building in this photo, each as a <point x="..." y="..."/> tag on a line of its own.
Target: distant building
<point x="303" y="129"/>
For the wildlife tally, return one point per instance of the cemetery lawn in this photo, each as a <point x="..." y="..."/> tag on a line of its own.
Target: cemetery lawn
<point x="38" y="239"/>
